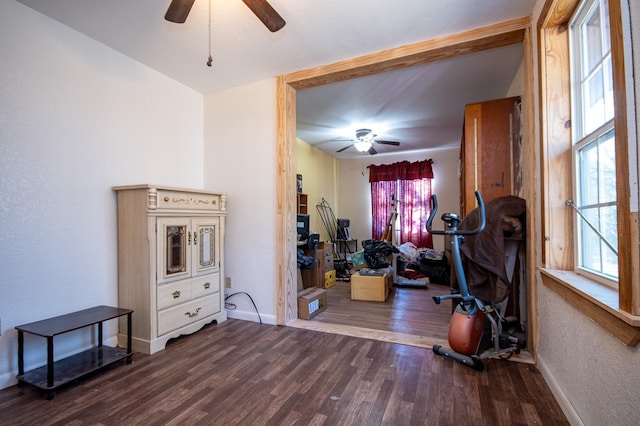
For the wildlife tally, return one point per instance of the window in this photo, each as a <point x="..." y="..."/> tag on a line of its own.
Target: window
<point x="589" y="155"/>
<point x="405" y="187"/>
<point x="594" y="141"/>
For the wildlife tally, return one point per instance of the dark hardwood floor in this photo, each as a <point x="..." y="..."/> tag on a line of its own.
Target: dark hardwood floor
<point x="241" y="372"/>
<point x="406" y="310"/>
<point x="409" y="316"/>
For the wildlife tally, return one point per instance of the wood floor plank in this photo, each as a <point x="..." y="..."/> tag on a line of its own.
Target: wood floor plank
<point x="270" y="375"/>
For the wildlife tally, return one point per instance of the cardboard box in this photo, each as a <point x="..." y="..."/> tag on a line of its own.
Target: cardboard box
<point x="311" y="302"/>
<point x="328" y="261"/>
<point x="329" y="278"/>
<point x="314" y="277"/>
<point x="300" y="282"/>
<point x="371" y="288"/>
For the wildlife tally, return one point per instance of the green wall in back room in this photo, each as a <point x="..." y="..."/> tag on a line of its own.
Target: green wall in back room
<point x="319" y="180"/>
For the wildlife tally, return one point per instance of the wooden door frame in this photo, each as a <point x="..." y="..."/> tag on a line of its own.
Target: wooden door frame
<point x="476" y="40"/>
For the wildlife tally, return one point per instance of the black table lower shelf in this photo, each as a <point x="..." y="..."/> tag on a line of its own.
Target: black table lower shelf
<point x="74" y="367"/>
<point x="57" y="373"/>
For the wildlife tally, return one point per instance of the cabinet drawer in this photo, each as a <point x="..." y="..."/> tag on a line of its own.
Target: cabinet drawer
<point x="181" y="315"/>
<point x="174" y="293"/>
<point x="168" y="199"/>
<point x="206" y="285"/>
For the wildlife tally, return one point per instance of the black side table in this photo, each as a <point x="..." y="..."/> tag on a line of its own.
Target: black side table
<point x="55" y="374"/>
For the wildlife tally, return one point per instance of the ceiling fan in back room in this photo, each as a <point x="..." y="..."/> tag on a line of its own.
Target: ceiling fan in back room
<point x="364" y="141"/>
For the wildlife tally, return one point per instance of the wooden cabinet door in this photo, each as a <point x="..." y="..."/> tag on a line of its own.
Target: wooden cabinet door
<point x="490" y="151"/>
<point x="174" y="249"/>
<point x="206" y="245"/>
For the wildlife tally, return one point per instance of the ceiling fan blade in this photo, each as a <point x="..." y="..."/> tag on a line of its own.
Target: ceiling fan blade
<point x="345" y="148"/>
<point x="372" y="151"/>
<point x="178" y="11"/>
<point x="394" y="143"/>
<point x="267" y="14"/>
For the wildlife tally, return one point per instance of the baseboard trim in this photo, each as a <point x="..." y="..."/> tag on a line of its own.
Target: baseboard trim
<point x="251" y="316"/>
<point x="566" y="406"/>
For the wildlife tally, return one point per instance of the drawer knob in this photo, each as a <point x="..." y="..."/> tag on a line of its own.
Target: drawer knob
<point x="176" y="294"/>
<point x="206" y="286"/>
<point x="193" y="314"/>
<point x="166" y="199"/>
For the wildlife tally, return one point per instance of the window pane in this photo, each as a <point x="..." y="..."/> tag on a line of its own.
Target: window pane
<point x="609" y="229"/>
<point x="590" y="242"/>
<point x="608" y="90"/>
<point x="607" y="167"/>
<point x="597" y="192"/>
<point x="592" y="70"/>
<point x="589" y="175"/>
<point x="606" y="31"/>
<point x="594" y="103"/>
<point x="592" y="42"/>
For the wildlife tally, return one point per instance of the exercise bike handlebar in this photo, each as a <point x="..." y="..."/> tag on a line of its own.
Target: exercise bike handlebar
<point x="454" y="229"/>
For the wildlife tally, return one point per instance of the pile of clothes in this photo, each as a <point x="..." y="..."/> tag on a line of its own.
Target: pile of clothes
<point x="415" y="263"/>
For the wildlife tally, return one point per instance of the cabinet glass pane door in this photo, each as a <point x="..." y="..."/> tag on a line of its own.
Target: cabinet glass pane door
<point x="176" y="255"/>
<point x="206" y="246"/>
<point x="175" y="244"/>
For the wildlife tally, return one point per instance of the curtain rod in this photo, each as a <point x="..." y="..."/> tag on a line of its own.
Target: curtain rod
<point x="432" y="162"/>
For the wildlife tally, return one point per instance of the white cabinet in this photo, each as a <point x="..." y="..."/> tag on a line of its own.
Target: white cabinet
<point x="170" y="261"/>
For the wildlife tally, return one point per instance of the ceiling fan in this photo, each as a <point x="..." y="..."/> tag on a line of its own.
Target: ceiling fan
<point x="179" y="10"/>
<point x="364" y="141"/>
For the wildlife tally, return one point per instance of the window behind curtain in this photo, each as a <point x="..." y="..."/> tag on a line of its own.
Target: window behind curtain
<point x="410" y="185"/>
<point x="593" y="138"/>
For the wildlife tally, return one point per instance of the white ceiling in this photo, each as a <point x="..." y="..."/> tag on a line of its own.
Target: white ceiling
<point x="421" y="107"/>
<point x="427" y="98"/>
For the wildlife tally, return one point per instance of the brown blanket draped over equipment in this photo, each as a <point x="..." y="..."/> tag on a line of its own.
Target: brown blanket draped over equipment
<point x="483" y="255"/>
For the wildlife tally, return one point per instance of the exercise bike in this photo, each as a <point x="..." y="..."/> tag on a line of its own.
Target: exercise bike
<point x="477" y="330"/>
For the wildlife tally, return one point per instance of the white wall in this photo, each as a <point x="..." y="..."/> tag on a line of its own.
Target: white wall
<point x="593" y="372"/>
<point x="594" y="376"/>
<point x="354" y="190"/>
<point x="240" y="159"/>
<point x="76" y="118"/>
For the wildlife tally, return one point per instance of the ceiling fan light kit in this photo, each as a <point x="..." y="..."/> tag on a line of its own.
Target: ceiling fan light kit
<point x="365" y="138"/>
<point x="363" y="146"/>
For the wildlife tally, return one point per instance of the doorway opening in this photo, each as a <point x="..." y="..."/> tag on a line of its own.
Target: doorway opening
<point x="503" y="34"/>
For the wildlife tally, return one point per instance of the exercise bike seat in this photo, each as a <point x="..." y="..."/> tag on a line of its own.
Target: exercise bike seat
<point x="451" y="219"/>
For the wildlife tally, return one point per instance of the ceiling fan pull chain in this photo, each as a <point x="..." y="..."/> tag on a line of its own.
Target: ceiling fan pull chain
<point x="210" y="59"/>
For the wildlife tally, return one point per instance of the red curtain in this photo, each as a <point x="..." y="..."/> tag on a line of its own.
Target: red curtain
<point x="410" y="185"/>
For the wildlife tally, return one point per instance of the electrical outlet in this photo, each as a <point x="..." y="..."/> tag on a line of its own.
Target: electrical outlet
<point x="227" y="282"/>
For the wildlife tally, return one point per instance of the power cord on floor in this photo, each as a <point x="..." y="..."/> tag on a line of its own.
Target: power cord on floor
<point x="232" y="306"/>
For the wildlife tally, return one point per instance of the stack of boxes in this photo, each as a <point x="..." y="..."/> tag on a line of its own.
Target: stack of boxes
<point x="370" y="284"/>
<point x="312" y="299"/>
<point x="329" y="267"/>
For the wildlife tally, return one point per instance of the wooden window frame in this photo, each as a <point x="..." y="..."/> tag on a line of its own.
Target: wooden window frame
<point x="617" y="311"/>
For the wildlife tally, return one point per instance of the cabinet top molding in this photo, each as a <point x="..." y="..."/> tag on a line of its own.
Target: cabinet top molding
<point x="164" y="197"/>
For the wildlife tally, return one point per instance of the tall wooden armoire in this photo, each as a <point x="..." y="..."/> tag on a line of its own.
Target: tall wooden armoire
<point x="490" y="152"/>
